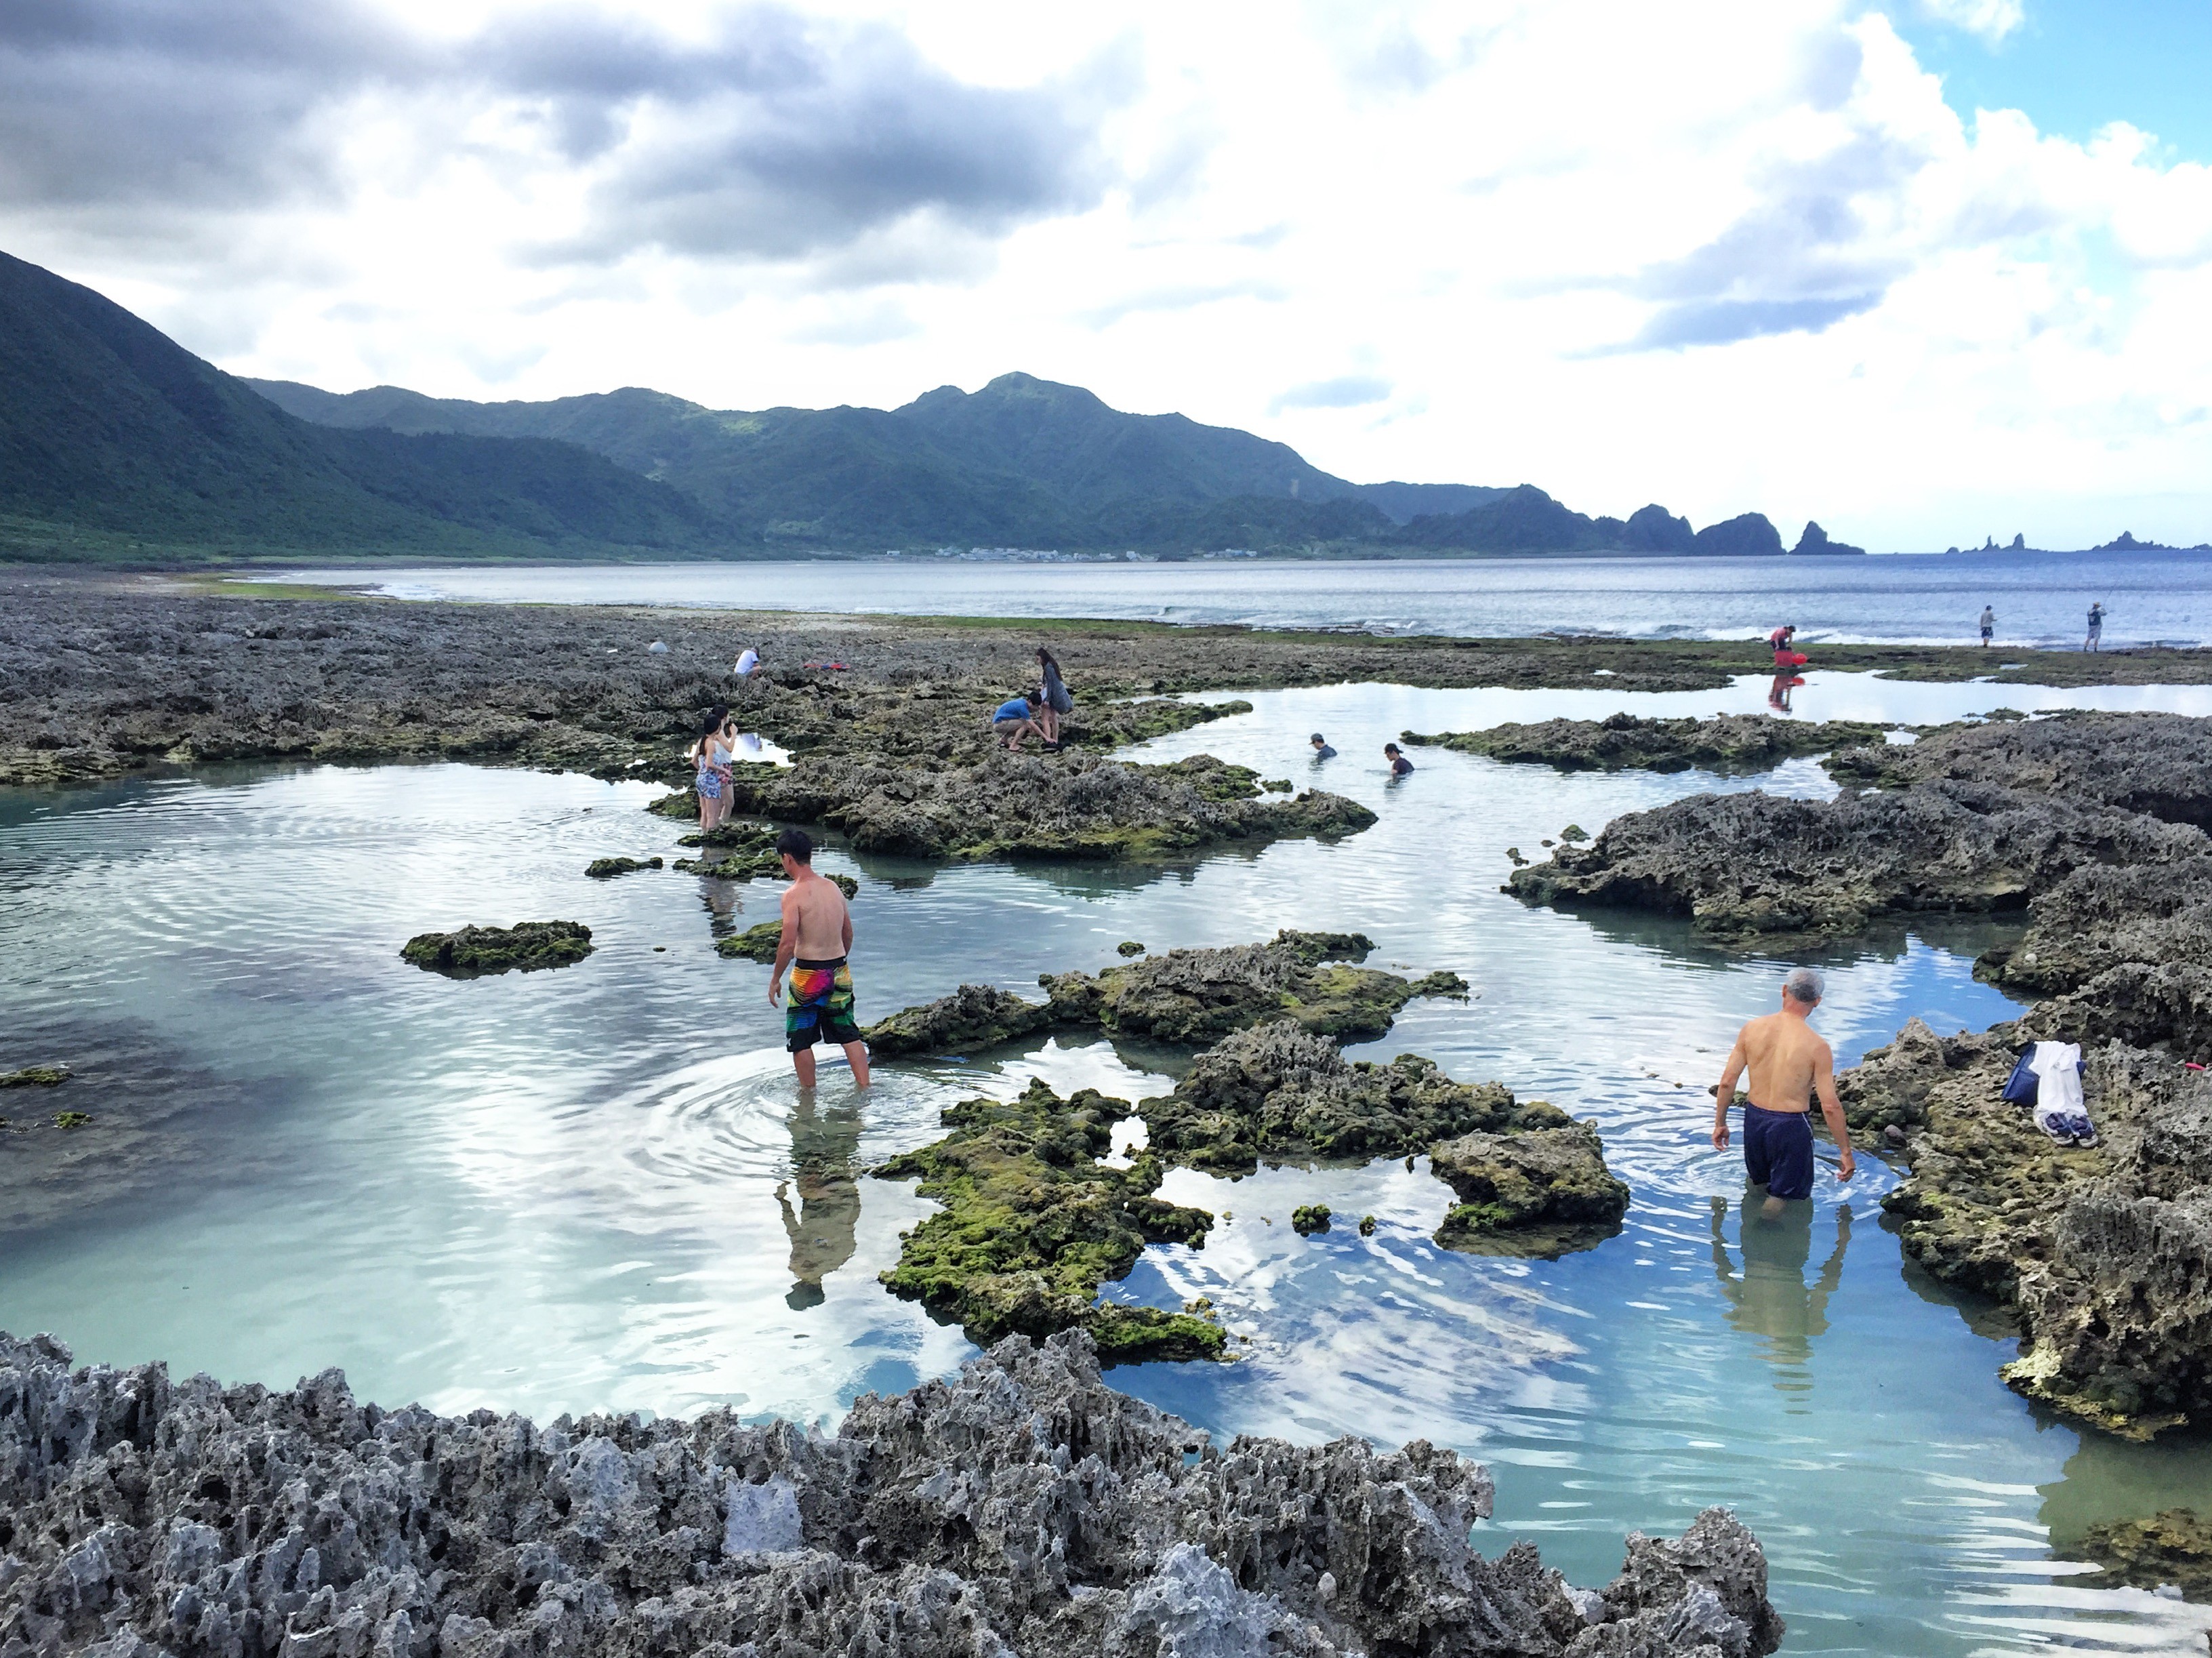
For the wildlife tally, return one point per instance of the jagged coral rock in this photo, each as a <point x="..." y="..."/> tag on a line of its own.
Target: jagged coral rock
<point x="1751" y="864"/>
<point x="1026" y="806"/>
<point x="526" y="947"/>
<point x="1033" y="1223"/>
<point x="1624" y="741"/>
<point x="1540" y="1192"/>
<point x="2103" y="1252"/>
<point x="1279" y="1091"/>
<point x="2171" y="1547"/>
<point x="1019" y="1506"/>
<point x="1191" y="996"/>
<point x="2160" y="764"/>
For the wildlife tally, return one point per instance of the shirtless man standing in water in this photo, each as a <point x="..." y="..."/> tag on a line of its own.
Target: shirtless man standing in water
<point x="1788" y="1065"/>
<point x="817" y="931"/>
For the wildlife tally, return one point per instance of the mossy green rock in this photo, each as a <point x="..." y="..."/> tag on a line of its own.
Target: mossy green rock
<point x="2174" y="1547"/>
<point x="525" y="947"/>
<point x="973" y="1018"/>
<point x="1625" y="741"/>
<point x="1188" y="997"/>
<point x="35" y="1076"/>
<point x="757" y="943"/>
<point x="1541" y="1191"/>
<point x="1309" y="1218"/>
<point x="605" y="869"/>
<point x="1033" y="1223"/>
<point x="1280" y="1092"/>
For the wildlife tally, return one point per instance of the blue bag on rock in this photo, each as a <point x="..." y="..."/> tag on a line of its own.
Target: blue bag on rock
<point x="2020" y="1087"/>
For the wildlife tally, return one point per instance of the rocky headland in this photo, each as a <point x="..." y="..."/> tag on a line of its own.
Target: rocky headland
<point x="2087" y="827"/>
<point x="1628" y="741"/>
<point x="1021" y="1506"/>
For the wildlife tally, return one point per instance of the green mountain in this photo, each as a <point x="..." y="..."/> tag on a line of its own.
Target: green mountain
<point x="1023" y="462"/>
<point x="115" y="440"/>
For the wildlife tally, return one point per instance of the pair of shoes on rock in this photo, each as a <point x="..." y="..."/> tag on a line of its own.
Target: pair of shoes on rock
<point x="2070" y="1129"/>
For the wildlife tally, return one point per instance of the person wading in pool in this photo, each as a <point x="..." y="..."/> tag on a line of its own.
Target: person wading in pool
<point x="817" y="932"/>
<point x="1789" y="1064"/>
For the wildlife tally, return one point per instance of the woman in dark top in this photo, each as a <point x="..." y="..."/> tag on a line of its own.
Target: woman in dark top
<point x="1058" y="700"/>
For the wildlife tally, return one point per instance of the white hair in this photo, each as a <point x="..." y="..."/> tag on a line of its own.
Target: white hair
<point x="1804" y="984"/>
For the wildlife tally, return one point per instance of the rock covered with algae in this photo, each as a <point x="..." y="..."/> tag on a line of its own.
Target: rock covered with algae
<point x="473" y="952"/>
<point x="1033" y="1223"/>
<point x="2103" y="1252"/>
<point x="1019" y="1506"/>
<point x="2172" y="1547"/>
<point x="1034" y="805"/>
<point x="1191" y="996"/>
<point x="1280" y="1092"/>
<point x="606" y="869"/>
<point x="1625" y="741"/>
<point x="35" y="1076"/>
<point x="1542" y="1192"/>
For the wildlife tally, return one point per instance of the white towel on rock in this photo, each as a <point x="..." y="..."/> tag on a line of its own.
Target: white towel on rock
<point x="2060" y="1112"/>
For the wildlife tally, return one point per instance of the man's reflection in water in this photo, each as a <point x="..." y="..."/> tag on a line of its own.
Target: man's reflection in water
<point x="1777" y="694"/>
<point x="823" y="1144"/>
<point x="1770" y="1297"/>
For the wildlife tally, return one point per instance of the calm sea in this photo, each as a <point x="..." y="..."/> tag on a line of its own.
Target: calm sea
<point x="2040" y="598"/>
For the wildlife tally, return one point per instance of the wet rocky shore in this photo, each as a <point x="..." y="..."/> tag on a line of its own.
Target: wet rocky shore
<point x="1020" y="1506"/>
<point x="1033" y="1221"/>
<point x="2089" y="828"/>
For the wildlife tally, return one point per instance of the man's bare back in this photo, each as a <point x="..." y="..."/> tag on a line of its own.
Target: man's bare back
<point x="1785" y="1055"/>
<point x="816" y="923"/>
<point x="1790" y="1065"/>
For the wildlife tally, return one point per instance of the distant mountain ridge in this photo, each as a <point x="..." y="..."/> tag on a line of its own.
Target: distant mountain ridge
<point x="113" y="436"/>
<point x="1028" y="462"/>
<point x="117" y="442"/>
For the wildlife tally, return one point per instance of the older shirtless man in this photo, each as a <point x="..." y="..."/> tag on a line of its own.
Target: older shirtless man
<point x="1789" y="1064"/>
<point x="817" y="931"/>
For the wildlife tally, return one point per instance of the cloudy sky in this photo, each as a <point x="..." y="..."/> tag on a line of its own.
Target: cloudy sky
<point x="1926" y="271"/>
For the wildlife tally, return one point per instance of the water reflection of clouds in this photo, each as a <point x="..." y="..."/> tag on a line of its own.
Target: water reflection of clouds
<point x="559" y="1190"/>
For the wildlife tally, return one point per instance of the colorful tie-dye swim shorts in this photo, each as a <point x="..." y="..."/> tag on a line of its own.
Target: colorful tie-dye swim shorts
<point x="818" y="1005"/>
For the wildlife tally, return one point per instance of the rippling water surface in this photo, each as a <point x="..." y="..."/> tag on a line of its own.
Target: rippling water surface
<point x="596" y="1187"/>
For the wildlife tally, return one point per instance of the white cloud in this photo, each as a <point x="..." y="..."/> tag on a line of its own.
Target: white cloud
<point x="1990" y="19"/>
<point x="1735" y="255"/>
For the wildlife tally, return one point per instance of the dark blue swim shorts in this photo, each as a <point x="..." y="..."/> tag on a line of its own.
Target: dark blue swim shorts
<point x="1777" y="1151"/>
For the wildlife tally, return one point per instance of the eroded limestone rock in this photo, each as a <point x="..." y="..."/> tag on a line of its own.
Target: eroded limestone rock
<point x="1625" y="741"/>
<point x="1542" y="1192"/>
<point x="1756" y="864"/>
<point x="526" y="947"/>
<point x="1280" y="1092"/>
<point x="1033" y="1223"/>
<point x="1192" y="996"/>
<point x="1021" y="1506"/>
<point x="2104" y="1252"/>
<point x="2172" y="1547"/>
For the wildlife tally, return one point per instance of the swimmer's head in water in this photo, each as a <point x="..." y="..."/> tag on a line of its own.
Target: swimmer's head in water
<point x="1317" y="739"/>
<point x="1804" y="986"/>
<point x="1390" y="748"/>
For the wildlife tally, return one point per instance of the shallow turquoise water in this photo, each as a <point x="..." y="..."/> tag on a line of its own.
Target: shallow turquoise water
<point x="560" y="1191"/>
